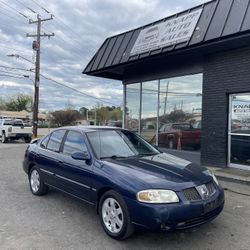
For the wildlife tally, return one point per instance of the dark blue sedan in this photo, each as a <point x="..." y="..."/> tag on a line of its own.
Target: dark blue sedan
<point x="128" y="181"/>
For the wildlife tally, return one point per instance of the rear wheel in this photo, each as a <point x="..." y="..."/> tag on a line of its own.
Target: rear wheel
<point x="114" y="216"/>
<point x="37" y="185"/>
<point x="27" y="139"/>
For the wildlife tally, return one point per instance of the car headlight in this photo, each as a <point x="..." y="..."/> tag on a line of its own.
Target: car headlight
<point x="208" y="172"/>
<point x="157" y="196"/>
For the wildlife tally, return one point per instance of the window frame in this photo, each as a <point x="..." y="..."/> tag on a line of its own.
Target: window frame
<point x="43" y="139"/>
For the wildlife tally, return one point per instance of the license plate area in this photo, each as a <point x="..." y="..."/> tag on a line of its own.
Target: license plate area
<point x="210" y="206"/>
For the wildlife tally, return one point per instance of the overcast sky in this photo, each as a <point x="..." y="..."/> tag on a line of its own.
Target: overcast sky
<point x="80" y="27"/>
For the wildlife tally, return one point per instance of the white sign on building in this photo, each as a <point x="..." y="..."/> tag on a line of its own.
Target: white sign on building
<point x="172" y="31"/>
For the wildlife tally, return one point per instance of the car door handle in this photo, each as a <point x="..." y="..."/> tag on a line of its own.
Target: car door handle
<point x="60" y="162"/>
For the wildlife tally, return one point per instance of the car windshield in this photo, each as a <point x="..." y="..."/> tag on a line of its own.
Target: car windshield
<point x="17" y="123"/>
<point x="119" y="144"/>
<point x="7" y="122"/>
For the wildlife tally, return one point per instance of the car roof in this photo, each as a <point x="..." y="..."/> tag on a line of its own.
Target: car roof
<point x="89" y="128"/>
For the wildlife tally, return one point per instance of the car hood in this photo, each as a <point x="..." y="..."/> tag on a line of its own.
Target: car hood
<point x="159" y="171"/>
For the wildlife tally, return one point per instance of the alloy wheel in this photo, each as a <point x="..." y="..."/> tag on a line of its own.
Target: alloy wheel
<point x="112" y="215"/>
<point x="34" y="181"/>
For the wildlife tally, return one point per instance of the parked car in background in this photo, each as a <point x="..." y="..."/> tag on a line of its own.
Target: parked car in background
<point x="184" y="133"/>
<point x="14" y="129"/>
<point x="129" y="182"/>
<point x="117" y="124"/>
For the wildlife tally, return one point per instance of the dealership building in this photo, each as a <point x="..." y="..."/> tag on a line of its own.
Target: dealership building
<point x="186" y="80"/>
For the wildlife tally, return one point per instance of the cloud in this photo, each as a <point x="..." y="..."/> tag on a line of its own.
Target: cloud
<point x="80" y="28"/>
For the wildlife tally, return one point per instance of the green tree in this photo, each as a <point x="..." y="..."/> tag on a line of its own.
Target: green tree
<point x="19" y="102"/>
<point x="2" y="104"/>
<point x="83" y="112"/>
<point x="105" y="114"/>
<point x="65" y="117"/>
<point x="175" y="116"/>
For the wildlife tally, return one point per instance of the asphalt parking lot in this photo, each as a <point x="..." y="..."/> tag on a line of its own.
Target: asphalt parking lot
<point x="57" y="221"/>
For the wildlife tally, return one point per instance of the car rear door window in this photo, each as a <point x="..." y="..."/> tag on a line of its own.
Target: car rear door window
<point x="55" y="140"/>
<point x="44" y="142"/>
<point x="74" y="142"/>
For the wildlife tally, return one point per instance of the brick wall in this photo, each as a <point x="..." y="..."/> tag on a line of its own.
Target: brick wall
<point x="224" y="73"/>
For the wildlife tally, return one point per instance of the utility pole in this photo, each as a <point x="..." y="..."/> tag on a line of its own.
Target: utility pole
<point x="37" y="48"/>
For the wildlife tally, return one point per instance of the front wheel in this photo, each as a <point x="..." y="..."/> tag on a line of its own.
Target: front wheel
<point x="37" y="185"/>
<point x="4" y="138"/>
<point x="114" y="216"/>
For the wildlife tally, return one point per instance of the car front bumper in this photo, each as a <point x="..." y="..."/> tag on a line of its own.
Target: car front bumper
<point x="182" y="215"/>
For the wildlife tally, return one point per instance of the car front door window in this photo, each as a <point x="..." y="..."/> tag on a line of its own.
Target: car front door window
<point x="74" y="143"/>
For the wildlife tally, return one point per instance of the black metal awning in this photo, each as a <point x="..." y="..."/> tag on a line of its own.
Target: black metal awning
<point x="223" y="24"/>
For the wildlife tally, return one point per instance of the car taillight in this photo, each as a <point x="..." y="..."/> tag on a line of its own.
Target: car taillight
<point x="10" y="129"/>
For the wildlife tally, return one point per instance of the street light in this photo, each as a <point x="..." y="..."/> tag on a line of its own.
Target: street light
<point x="18" y="56"/>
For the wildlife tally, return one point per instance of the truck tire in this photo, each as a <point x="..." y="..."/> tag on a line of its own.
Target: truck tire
<point x="171" y="143"/>
<point x="4" y="138"/>
<point x="27" y="139"/>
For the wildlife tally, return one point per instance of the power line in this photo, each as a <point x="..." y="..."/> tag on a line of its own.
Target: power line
<point x="48" y="12"/>
<point x="12" y="8"/>
<point x="58" y="20"/>
<point x="10" y="72"/>
<point x="11" y="48"/>
<point x="7" y="67"/>
<point x="76" y="90"/>
<point x="26" y="7"/>
<point x="12" y="17"/>
<point x="62" y="84"/>
<point x="7" y="75"/>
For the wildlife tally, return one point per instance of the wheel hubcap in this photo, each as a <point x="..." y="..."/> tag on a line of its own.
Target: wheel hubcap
<point x="112" y="215"/>
<point x="35" y="181"/>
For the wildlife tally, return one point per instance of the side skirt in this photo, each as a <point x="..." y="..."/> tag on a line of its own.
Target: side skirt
<point x="85" y="201"/>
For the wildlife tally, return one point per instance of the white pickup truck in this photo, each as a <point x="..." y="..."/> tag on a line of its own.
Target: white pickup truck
<point x="13" y="130"/>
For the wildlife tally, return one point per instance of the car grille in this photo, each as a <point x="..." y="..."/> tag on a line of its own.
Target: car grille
<point x="191" y="194"/>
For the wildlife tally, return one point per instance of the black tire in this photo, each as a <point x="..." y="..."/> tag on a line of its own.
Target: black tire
<point x="41" y="188"/>
<point x="27" y="139"/>
<point x="127" y="228"/>
<point x="4" y="139"/>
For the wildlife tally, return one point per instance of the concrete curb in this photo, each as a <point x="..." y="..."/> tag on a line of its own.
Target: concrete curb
<point x="235" y="179"/>
<point x="224" y="176"/>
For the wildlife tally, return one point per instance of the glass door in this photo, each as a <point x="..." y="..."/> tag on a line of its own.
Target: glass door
<point x="239" y="131"/>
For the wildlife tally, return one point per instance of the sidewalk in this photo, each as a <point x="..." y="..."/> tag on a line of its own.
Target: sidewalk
<point x="224" y="174"/>
<point x="232" y="175"/>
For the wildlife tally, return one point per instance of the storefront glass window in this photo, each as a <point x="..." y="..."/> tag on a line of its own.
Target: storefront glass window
<point x="132" y="107"/>
<point x="180" y="111"/>
<point x="180" y="108"/>
<point x="149" y="110"/>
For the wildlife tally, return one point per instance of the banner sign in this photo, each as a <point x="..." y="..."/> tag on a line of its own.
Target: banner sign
<point x="173" y="31"/>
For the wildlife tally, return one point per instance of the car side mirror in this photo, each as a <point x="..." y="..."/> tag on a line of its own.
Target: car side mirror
<point x="82" y="156"/>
